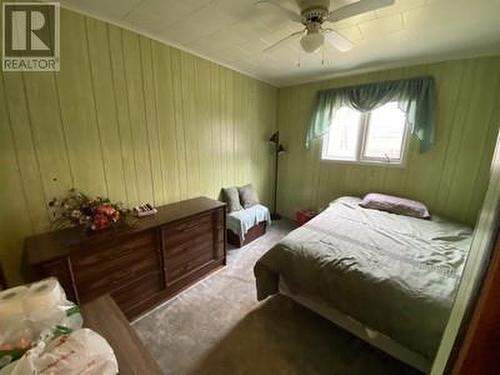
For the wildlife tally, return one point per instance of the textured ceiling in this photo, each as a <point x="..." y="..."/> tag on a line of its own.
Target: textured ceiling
<point x="235" y="32"/>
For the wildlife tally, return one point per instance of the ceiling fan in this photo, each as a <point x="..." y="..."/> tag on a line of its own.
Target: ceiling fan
<point x="314" y="13"/>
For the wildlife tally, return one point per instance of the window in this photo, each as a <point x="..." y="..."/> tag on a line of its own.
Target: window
<point x="378" y="136"/>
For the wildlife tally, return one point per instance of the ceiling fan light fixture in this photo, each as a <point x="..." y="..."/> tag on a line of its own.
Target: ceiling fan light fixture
<point x="314" y="13"/>
<point x="312" y="42"/>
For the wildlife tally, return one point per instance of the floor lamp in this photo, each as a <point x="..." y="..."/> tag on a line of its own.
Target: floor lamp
<point x="278" y="150"/>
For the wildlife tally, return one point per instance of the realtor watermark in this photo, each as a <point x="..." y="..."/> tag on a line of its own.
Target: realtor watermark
<point x="30" y="37"/>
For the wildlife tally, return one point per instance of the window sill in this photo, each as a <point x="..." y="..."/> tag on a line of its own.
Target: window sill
<point x="365" y="163"/>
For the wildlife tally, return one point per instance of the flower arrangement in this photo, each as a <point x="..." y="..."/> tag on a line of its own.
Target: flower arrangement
<point x="78" y="209"/>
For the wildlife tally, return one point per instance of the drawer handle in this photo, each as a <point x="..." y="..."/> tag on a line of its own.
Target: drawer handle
<point x="121" y="254"/>
<point x="189" y="226"/>
<point x="117" y="280"/>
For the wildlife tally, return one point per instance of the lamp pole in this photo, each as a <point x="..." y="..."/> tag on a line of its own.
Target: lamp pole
<point x="275" y="215"/>
<point x="278" y="149"/>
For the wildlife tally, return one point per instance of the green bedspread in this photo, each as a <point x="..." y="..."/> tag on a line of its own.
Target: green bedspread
<point x="396" y="274"/>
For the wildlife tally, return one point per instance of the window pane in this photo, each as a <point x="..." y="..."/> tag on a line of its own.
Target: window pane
<point x="342" y="141"/>
<point x="385" y="133"/>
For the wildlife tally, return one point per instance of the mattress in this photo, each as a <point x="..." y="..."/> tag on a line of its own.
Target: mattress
<point x="395" y="274"/>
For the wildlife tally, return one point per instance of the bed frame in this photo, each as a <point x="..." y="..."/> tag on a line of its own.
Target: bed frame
<point x="253" y="233"/>
<point x="377" y="339"/>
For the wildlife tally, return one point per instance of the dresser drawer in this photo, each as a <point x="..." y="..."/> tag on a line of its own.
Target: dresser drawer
<point x="189" y="257"/>
<point x="101" y="262"/>
<point x="184" y="249"/>
<point x="136" y="294"/>
<point x="186" y="230"/>
<point x="117" y="279"/>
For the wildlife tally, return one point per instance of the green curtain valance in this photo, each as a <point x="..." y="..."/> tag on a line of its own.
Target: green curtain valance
<point x="416" y="97"/>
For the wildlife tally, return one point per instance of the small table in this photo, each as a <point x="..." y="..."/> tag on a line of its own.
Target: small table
<point x="104" y="317"/>
<point x="304" y="215"/>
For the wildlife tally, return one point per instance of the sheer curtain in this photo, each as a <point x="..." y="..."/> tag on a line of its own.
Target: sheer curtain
<point x="416" y="97"/>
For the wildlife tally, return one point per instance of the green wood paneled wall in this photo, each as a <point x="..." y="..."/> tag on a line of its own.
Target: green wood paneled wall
<point x="129" y="118"/>
<point x="451" y="178"/>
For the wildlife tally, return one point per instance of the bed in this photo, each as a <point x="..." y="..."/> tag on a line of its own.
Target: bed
<point x="389" y="279"/>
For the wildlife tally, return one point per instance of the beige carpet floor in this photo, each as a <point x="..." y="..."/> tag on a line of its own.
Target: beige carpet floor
<point x="218" y="327"/>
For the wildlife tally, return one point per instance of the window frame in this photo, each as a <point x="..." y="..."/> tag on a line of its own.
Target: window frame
<point x="364" y="123"/>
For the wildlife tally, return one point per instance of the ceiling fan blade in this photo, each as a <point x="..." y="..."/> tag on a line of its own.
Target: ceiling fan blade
<point x="338" y="41"/>
<point x="287" y="12"/>
<point x="362" y="6"/>
<point x="286" y="38"/>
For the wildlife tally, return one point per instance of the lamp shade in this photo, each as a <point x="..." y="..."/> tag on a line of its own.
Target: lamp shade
<point x="275" y="138"/>
<point x="281" y="150"/>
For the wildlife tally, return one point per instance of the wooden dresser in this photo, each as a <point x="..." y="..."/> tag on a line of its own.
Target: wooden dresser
<point x="139" y="265"/>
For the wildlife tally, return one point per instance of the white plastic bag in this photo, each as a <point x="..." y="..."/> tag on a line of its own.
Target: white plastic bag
<point x="33" y="313"/>
<point x="81" y="352"/>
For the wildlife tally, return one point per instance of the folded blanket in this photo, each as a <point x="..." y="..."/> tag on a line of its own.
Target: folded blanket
<point x="241" y="221"/>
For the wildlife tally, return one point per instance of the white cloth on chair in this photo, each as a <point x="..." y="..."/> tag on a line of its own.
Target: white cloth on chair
<point x="241" y="221"/>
